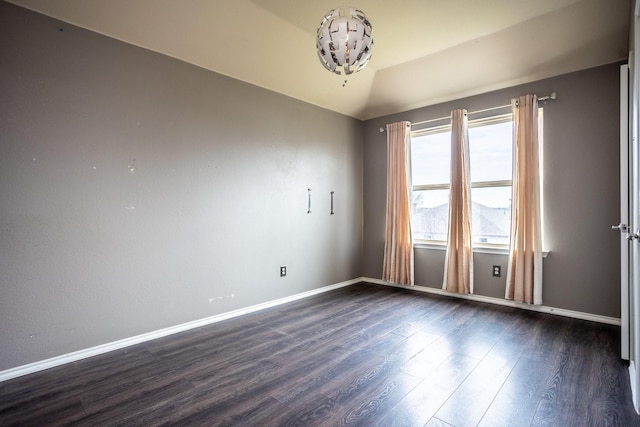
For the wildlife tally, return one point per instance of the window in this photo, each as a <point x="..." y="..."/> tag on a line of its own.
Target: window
<point x="491" y="152"/>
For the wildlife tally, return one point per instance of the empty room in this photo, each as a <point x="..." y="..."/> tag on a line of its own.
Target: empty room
<point x="279" y="212"/>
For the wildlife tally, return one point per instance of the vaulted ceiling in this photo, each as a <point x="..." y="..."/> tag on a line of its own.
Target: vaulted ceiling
<point x="425" y="51"/>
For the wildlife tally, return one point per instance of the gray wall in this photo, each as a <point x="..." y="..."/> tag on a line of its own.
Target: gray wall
<point x="139" y="192"/>
<point x="581" y="193"/>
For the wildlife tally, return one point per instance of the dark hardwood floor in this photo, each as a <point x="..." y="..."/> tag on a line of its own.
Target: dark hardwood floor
<point x="362" y="355"/>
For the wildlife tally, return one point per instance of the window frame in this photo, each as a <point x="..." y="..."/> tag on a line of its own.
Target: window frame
<point x="479" y="122"/>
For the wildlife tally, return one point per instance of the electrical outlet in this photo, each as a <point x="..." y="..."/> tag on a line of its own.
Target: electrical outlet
<point x="283" y="270"/>
<point x="496" y="271"/>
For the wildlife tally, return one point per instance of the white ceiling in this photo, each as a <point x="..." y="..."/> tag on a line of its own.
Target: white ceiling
<point x="425" y="51"/>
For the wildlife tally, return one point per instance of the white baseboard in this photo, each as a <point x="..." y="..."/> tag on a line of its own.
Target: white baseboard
<point x="499" y="301"/>
<point x="116" y="345"/>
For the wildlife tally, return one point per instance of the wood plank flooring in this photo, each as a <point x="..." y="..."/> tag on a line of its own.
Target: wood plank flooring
<point x="362" y="355"/>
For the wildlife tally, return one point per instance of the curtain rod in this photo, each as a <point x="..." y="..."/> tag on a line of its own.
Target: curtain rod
<point x="551" y="96"/>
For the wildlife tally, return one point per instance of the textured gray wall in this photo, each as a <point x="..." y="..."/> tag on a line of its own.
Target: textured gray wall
<point x="581" y="193"/>
<point x="139" y="192"/>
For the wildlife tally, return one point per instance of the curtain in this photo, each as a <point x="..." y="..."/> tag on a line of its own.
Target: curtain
<point x="524" y="270"/>
<point x="398" y="242"/>
<point x="458" y="268"/>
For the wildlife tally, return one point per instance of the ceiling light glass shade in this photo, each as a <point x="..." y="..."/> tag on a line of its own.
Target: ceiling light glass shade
<point x="344" y="40"/>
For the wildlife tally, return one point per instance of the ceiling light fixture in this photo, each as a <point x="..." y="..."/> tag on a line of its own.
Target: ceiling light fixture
<point x="344" y="40"/>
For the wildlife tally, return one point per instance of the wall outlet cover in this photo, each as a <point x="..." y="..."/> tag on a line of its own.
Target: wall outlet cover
<point x="497" y="271"/>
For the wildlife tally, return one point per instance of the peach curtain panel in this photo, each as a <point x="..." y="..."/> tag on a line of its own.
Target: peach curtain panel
<point x="458" y="267"/>
<point x="398" y="242"/>
<point x="524" y="269"/>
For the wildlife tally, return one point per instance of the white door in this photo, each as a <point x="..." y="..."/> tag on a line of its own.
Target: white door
<point x="634" y="212"/>
<point x="623" y="226"/>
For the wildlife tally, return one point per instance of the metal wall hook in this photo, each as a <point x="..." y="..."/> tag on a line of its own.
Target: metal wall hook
<point x="332" y="202"/>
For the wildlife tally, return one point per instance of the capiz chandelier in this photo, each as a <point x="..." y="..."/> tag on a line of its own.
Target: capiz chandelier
<point x="344" y="40"/>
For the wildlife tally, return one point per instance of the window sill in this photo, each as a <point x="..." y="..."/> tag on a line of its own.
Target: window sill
<point x="494" y="250"/>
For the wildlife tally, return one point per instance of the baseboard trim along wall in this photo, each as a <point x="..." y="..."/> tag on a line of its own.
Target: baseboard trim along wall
<point x="498" y="301"/>
<point x="127" y="342"/>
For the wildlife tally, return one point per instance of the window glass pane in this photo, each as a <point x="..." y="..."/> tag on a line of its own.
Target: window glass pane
<point x="491" y="215"/>
<point x="430" y="158"/>
<point x="430" y="212"/>
<point x="490" y="151"/>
